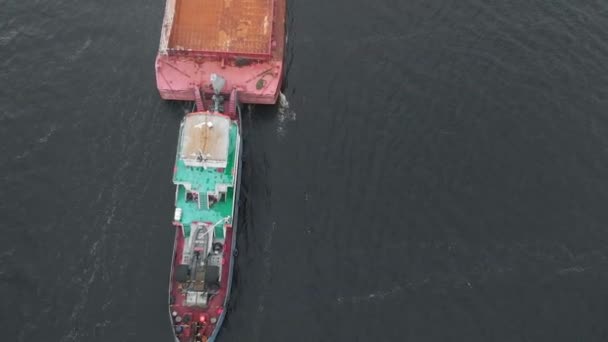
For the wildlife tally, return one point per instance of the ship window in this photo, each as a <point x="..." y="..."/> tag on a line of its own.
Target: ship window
<point x="212" y="200"/>
<point x="191" y="196"/>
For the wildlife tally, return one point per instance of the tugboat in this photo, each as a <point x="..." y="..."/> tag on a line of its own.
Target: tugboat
<point x="206" y="176"/>
<point x="220" y="54"/>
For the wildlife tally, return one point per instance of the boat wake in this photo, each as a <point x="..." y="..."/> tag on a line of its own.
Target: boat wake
<point x="7" y="37"/>
<point x="285" y="115"/>
<point x="378" y="295"/>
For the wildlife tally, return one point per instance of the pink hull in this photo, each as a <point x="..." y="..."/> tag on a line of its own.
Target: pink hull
<point x="235" y="44"/>
<point x="257" y="83"/>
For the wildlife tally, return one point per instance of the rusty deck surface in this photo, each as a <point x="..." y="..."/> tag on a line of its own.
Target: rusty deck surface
<point x="225" y="26"/>
<point x="205" y="137"/>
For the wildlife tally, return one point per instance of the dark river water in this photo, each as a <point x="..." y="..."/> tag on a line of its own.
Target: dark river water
<point x="440" y="173"/>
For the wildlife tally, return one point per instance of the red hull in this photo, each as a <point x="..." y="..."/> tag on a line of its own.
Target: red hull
<point x="216" y="304"/>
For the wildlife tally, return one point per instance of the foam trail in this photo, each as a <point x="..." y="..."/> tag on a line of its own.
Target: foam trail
<point x="285" y="114"/>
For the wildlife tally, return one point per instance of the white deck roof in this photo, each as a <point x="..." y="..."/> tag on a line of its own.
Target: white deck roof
<point x="205" y="140"/>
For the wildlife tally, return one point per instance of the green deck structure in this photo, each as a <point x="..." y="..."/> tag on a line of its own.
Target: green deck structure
<point x="204" y="179"/>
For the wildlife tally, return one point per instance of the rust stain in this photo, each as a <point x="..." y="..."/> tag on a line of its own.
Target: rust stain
<point x="231" y="26"/>
<point x="265" y="72"/>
